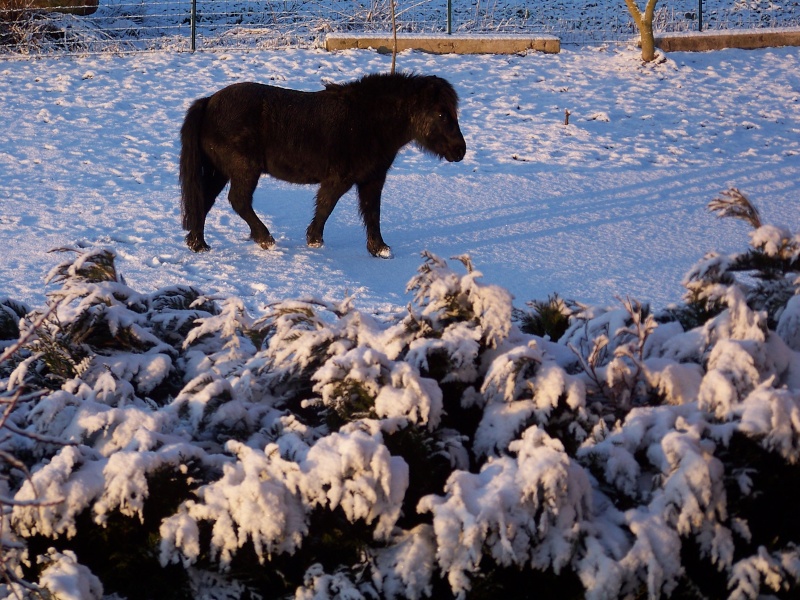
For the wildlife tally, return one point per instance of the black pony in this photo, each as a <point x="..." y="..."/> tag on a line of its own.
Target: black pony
<point x="341" y="136"/>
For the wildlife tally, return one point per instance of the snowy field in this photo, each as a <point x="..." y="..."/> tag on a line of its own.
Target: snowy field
<point x="613" y="204"/>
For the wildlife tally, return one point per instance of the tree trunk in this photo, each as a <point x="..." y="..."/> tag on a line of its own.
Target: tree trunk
<point x="644" y="22"/>
<point x="648" y="41"/>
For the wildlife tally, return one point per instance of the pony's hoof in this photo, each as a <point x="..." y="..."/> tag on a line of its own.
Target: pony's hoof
<point x="315" y="243"/>
<point x="383" y="252"/>
<point x="197" y="245"/>
<point x="266" y="244"/>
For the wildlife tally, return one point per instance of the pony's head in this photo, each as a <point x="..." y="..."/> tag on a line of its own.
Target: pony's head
<point x="435" y="121"/>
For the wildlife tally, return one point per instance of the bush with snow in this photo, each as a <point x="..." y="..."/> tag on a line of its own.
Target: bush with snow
<point x="316" y="451"/>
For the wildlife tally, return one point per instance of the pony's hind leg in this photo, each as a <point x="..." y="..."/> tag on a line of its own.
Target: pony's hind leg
<point x="213" y="184"/>
<point x="241" y="199"/>
<point x="327" y="196"/>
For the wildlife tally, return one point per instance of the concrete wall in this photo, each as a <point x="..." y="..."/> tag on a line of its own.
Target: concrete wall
<point x="446" y="44"/>
<point x="717" y="40"/>
<point x="511" y="44"/>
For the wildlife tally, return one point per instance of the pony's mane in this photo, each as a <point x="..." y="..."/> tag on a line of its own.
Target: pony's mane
<point x="376" y="79"/>
<point x="393" y="83"/>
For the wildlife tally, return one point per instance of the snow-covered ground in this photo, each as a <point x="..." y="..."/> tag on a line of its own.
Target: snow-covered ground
<point x="610" y="454"/>
<point x="612" y="204"/>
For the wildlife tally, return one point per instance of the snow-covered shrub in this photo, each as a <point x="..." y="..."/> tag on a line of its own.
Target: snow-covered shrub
<point x="523" y="510"/>
<point x="768" y="273"/>
<point x="713" y="423"/>
<point x="36" y="31"/>
<point x="443" y="298"/>
<point x="316" y="451"/>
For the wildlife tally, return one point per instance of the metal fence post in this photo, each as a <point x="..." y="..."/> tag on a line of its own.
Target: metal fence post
<point x="193" y="24"/>
<point x="449" y="17"/>
<point x="699" y="15"/>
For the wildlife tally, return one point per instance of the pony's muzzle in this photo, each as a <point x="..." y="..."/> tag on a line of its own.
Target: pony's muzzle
<point x="457" y="153"/>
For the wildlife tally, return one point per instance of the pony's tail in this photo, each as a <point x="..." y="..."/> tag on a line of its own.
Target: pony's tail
<point x="192" y="164"/>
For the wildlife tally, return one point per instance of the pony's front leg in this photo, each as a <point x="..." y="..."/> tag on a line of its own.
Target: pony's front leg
<point x="241" y="199"/>
<point x="369" y="203"/>
<point x="327" y="196"/>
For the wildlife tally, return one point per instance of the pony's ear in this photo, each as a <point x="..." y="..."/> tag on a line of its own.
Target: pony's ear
<point x="437" y="89"/>
<point x="433" y="83"/>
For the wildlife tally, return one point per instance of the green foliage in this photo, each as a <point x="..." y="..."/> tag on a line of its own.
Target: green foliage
<point x="429" y="463"/>
<point x="11" y="312"/>
<point x="547" y="319"/>
<point x="174" y="310"/>
<point x="95" y="315"/>
<point x="351" y="401"/>
<point x="694" y="312"/>
<point x="496" y="581"/>
<point x="91" y="267"/>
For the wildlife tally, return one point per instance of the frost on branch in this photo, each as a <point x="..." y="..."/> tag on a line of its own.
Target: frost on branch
<point x="66" y="579"/>
<point x="524" y="385"/>
<point x="365" y="383"/>
<point x="522" y="511"/>
<point x="661" y="462"/>
<point x="773" y="417"/>
<point x="319" y="585"/>
<point x="353" y="470"/>
<point x="411" y="396"/>
<point x="777" y="572"/>
<point x="255" y="501"/>
<point x="55" y="481"/>
<point x="403" y="569"/>
<point x="445" y="297"/>
<point x="788" y="327"/>
<point x="265" y="500"/>
<point x="100" y="330"/>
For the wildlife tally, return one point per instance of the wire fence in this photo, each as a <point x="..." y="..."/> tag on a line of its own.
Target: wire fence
<point x="32" y="27"/>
